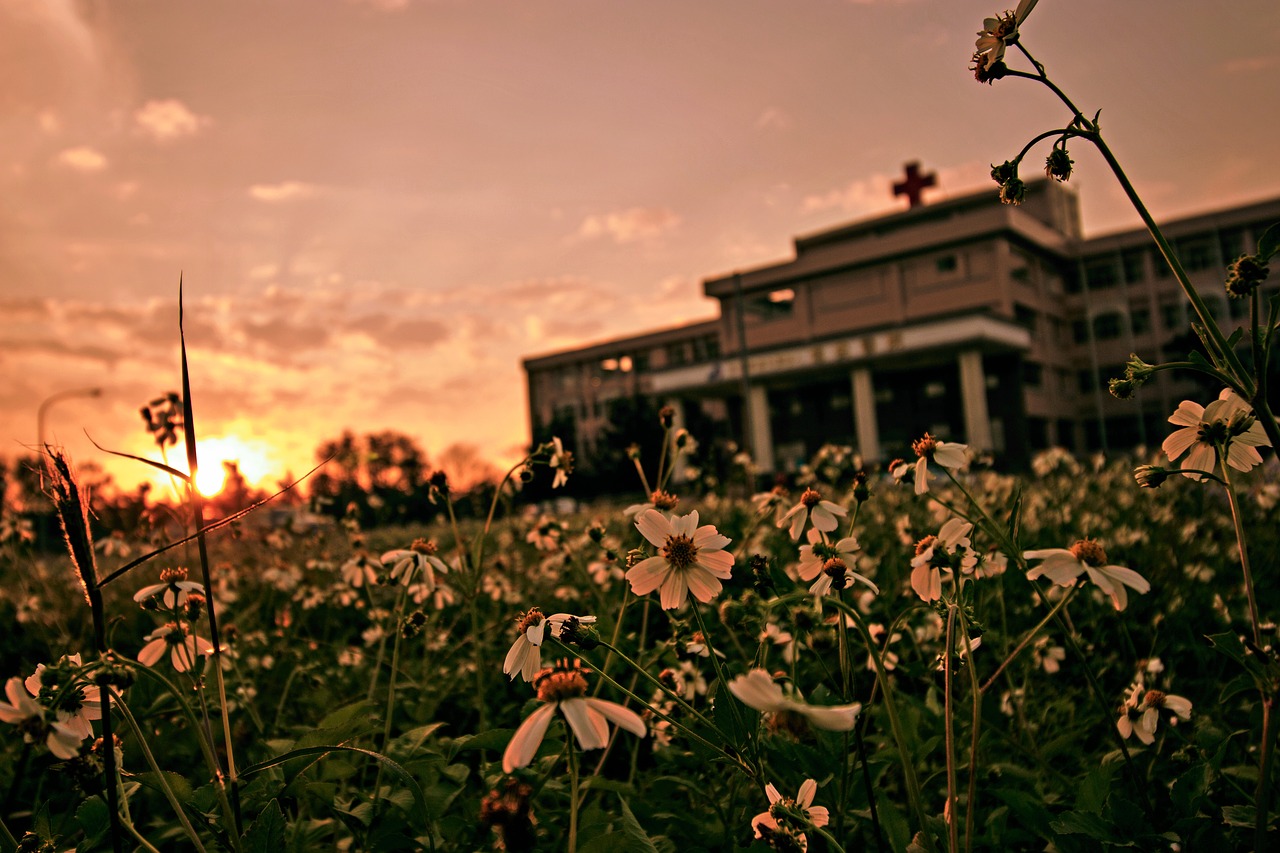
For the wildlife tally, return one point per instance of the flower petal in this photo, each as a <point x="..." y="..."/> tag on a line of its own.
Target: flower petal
<point x="528" y="737"/>
<point x="590" y="727"/>
<point x="647" y="575"/>
<point x="623" y="718"/>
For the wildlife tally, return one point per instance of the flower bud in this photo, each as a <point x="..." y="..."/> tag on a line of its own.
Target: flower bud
<point x="1122" y="389"/>
<point x="1150" y="476"/>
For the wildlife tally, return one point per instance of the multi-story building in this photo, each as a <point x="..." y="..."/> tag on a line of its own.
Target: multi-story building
<point x="990" y="324"/>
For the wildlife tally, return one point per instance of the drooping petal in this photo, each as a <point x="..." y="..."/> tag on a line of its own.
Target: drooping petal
<point x="590" y="728"/>
<point x="1202" y="457"/>
<point x="1178" y="705"/>
<point x="819" y="816"/>
<point x="516" y="655"/>
<point x="535" y="632"/>
<point x="832" y="718"/>
<point x="152" y="652"/>
<point x="949" y="454"/>
<point x="623" y="718"/>
<point x="1242" y="457"/>
<point x="528" y="737"/>
<point x="922" y="476"/>
<point x="797" y="521"/>
<point x="757" y="690"/>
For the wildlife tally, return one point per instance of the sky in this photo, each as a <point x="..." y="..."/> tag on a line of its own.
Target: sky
<point x="379" y="207"/>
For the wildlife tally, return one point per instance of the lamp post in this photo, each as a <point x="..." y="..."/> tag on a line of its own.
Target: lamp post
<point x="54" y="398"/>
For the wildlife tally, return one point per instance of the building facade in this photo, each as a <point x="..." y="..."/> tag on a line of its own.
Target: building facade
<point x="990" y="324"/>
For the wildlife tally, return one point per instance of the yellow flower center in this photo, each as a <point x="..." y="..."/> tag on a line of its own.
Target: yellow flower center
<point x="173" y="575"/>
<point x="1089" y="552"/>
<point x="663" y="500"/>
<point x="680" y="552"/>
<point x="423" y="546"/>
<point x="561" y="682"/>
<point x="925" y="446"/>
<point x="810" y="498"/>
<point x="528" y="619"/>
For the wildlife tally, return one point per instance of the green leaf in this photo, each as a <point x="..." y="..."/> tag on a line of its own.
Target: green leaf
<point x="1269" y="242"/>
<point x="493" y="739"/>
<point x="266" y="834"/>
<point x="321" y="751"/>
<point x="95" y="820"/>
<point x="1235" y="337"/>
<point x="1090" y="825"/>
<point x="636" y="837"/>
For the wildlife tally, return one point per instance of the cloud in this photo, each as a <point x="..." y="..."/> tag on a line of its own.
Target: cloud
<point x="628" y="226"/>
<point x="281" y="192"/>
<point x="773" y="119"/>
<point x="1250" y="64"/>
<point x="168" y="120"/>
<point x="83" y="159"/>
<point x="867" y="195"/>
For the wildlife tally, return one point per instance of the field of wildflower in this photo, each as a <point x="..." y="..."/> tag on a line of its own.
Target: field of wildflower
<point x="930" y="655"/>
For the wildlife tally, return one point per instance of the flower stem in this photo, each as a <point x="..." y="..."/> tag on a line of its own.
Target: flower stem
<point x="161" y="780"/>
<point x="891" y="710"/>
<point x="953" y="829"/>
<point x="1241" y="544"/>
<point x="573" y="789"/>
<point x="1029" y="636"/>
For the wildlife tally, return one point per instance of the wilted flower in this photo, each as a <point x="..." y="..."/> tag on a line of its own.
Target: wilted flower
<point x="1064" y="565"/>
<point x="758" y="690"/>
<point x="692" y="559"/>
<point x="23" y="711"/>
<point x="1227" y="424"/>
<point x="1000" y="31"/>
<point x="525" y="656"/>
<point x="174" y="586"/>
<point x="948" y="454"/>
<point x="812" y="506"/>
<point x="949" y="550"/>
<point x="419" y="559"/>
<point x="562" y="461"/>
<point x="798" y="811"/>
<point x="1140" y="713"/>
<point x="183" y="646"/>
<point x="565" y="688"/>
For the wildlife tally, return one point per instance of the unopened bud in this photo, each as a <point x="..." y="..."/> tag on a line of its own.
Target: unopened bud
<point x="1150" y="476"/>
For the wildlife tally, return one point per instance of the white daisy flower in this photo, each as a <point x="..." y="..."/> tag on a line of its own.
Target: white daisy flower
<point x="692" y="559"/>
<point x="758" y="690"/>
<point x="1227" y="422"/>
<point x="525" y="655"/>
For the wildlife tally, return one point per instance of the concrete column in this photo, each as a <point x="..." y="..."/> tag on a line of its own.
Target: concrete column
<point x="973" y="395"/>
<point x="864" y="415"/>
<point x="761" y="431"/>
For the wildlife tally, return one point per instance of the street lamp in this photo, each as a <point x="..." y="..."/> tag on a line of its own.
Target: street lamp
<point x="53" y="398"/>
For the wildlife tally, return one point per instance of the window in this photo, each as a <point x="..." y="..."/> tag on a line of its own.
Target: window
<point x="947" y="264"/>
<point x="1107" y="327"/>
<point x="1231" y="242"/>
<point x="1134" y="263"/>
<point x="1024" y="316"/>
<point x="1100" y="273"/>
<point x="1032" y="374"/>
<point x="1197" y="253"/>
<point x="1140" y="321"/>
<point x="1079" y="331"/>
<point x="1173" y="316"/>
<point x="773" y="305"/>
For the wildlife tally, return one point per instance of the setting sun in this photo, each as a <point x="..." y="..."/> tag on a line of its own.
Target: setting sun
<point x="252" y="458"/>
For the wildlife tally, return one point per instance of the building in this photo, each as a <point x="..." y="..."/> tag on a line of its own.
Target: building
<point x="990" y="324"/>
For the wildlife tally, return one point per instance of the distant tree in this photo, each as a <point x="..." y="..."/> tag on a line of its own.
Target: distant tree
<point x="382" y="474"/>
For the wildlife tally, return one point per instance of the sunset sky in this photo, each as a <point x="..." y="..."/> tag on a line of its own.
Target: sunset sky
<point x="378" y="208"/>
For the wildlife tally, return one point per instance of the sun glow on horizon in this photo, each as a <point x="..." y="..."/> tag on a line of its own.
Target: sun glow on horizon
<point x="252" y="458"/>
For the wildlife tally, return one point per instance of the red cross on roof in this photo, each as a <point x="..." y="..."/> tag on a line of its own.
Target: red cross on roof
<point x="914" y="183"/>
